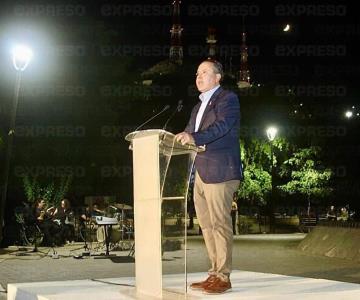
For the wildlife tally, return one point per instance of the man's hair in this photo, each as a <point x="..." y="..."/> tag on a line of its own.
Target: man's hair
<point x="218" y="68"/>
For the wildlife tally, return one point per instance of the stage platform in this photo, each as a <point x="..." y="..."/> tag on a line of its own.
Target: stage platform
<point x="246" y="285"/>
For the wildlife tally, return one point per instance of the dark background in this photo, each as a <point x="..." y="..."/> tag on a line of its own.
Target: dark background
<point x="83" y="91"/>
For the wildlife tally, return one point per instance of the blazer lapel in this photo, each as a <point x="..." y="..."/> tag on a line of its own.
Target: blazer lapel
<point x="210" y="104"/>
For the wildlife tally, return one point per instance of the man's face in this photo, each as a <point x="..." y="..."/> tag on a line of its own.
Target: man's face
<point x="206" y="78"/>
<point x="41" y="204"/>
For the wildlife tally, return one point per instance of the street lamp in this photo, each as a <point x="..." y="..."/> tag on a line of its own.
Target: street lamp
<point x="21" y="57"/>
<point x="348" y="114"/>
<point x="271" y="133"/>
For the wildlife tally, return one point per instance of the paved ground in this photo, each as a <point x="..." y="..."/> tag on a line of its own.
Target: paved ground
<point x="259" y="253"/>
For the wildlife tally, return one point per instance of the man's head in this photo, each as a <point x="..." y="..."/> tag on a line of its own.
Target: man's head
<point x="208" y="75"/>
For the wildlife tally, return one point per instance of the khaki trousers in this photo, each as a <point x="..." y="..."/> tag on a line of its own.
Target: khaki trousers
<point x="213" y="210"/>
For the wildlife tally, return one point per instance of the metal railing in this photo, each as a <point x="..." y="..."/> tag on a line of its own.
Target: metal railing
<point x="340" y="223"/>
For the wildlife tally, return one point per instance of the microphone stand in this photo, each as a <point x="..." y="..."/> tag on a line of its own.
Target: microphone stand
<point x="178" y="109"/>
<point x="166" y="107"/>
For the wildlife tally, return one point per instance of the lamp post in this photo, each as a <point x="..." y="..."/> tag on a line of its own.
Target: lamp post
<point x="21" y="57"/>
<point x="271" y="133"/>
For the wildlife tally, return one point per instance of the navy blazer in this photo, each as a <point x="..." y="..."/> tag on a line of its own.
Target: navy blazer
<point x="219" y="132"/>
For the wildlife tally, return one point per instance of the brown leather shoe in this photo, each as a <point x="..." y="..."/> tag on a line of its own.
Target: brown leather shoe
<point x="218" y="286"/>
<point x="202" y="284"/>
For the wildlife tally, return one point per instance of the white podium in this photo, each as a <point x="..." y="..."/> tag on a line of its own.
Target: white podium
<point x="161" y="171"/>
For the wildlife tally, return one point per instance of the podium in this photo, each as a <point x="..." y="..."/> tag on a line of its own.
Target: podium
<point x="161" y="173"/>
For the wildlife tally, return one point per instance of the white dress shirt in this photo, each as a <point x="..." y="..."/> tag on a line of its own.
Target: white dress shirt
<point x="205" y="98"/>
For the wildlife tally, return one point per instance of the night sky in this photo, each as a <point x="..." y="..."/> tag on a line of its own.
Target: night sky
<point x="83" y="91"/>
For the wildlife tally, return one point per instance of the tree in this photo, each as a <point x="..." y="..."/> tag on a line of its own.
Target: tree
<point x="307" y="175"/>
<point x="256" y="185"/>
<point x="51" y="192"/>
<point x="256" y="158"/>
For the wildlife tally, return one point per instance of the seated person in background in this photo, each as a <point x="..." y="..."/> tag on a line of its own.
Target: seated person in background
<point x="44" y="220"/>
<point x="88" y="214"/>
<point x="65" y="217"/>
<point x="96" y="211"/>
<point x="344" y="214"/>
<point x="331" y="213"/>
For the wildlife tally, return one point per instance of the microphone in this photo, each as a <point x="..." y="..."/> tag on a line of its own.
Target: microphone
<point x="178" y="109"/>
<point x="166" y="107"/>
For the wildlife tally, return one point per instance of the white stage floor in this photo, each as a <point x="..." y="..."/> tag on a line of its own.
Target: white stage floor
<point x="246" y="285"/>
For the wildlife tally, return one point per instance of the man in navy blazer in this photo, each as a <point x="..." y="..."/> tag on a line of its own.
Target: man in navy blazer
<point x="215" y="123"/>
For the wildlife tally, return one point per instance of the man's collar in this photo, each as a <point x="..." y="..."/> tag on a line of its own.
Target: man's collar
<point x="205" y="96"/>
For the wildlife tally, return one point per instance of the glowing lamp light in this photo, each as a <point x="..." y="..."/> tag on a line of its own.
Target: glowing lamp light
<point x="348" y="114"/>
<point x="271" y="133"/>
<point x="21" y="56"/>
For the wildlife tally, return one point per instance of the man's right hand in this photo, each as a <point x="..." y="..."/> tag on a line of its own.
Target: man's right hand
<point x="184" y="138"/>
